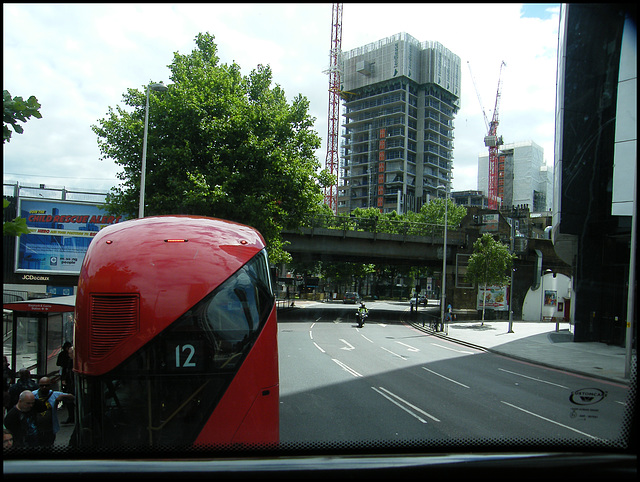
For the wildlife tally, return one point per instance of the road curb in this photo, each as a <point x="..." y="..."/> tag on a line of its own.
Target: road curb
<point x="495" y="351"/>
<point x="444" y="336"/>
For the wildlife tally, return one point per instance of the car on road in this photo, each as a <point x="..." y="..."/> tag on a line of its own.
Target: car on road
<point x="351" y="297"/>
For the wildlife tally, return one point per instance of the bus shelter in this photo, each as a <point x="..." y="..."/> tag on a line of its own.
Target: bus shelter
<point x="37" y="329"/>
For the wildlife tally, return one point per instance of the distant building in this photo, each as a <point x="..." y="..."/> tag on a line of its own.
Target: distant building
<point x="401" y="97"/>
<point x="524" y="178"/>
<point x="470" y="198"/>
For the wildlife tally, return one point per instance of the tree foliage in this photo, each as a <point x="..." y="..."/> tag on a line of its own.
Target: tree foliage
<point x="489" y="264"/>
<point x="219" y="144"/>
<point x="427" y="222"/>
<point x="16" y="227"/>
<point x="16" y="109"/>
<point x="434" y="211"/>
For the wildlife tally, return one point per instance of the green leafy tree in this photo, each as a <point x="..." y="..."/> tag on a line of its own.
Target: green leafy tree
<point x="423" y="223"/>
<point x="219" y="144"/>
<point x="489" y="264"/>
<point x="16" y="109"/>
<point x="433" y="213"/>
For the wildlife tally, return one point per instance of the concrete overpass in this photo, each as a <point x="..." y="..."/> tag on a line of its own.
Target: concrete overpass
<point x="364" y="241"/>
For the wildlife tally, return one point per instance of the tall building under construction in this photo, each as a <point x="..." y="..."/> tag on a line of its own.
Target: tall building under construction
<point x="401" y="97"/>
<point x="523" y="176"/>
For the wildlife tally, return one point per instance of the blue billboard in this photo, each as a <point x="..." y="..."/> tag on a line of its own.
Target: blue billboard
<point x="59" y="234"/>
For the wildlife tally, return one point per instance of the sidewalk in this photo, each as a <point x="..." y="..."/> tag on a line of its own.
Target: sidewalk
<point x="539" y="342"/>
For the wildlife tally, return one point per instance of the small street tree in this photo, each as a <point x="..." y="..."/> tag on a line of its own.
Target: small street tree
<point x="489" y="264"/>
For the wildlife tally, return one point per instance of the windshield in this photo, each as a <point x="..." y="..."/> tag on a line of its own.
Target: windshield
<point x="465" y="174"/>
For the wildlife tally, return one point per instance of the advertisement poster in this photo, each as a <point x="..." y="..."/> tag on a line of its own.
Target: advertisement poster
<point x="496" y="298"/>
<point x="550" y="298"/>
<point x="489" y="223"/>
<point x="59" y="235"/>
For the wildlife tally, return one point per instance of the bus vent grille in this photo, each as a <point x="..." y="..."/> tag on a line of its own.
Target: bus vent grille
<point x="113" y="319"/>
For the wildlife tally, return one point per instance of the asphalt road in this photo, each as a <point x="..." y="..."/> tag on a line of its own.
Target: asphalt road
<point x="390" y="382"/>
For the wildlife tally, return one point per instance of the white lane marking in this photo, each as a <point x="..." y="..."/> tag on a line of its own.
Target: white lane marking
<point x="346" y="368"/>
<point x="410" y="348"/>
<point x="552" y="421"/>
<point x="369" y="340"/>
<point x="338" y="320"/>
<point x="394" y="354"/>
<point x="349" y="347"/>
<point x="446" y="378"/>
<point x="419" y="410"/>
<point x="318" y="347"/>
<point x="311" y="328"/>
<point x="534" y="379"/>
<point x="453" y="349"/>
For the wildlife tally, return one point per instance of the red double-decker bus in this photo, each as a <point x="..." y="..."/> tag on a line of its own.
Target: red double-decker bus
<point x="175" y="337"/>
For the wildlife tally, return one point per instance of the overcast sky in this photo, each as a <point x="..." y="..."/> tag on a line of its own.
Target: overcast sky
<point x="78" y="59"/>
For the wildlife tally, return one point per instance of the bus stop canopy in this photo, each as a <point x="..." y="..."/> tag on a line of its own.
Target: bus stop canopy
<point x="38" y="330"/>
<point x="59" y="304"/>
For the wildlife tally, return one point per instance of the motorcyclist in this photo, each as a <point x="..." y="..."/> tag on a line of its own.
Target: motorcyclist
<point x="362" y="313"/>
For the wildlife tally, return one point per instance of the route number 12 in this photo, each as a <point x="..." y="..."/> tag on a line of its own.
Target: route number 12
<point x="190" y="350"/>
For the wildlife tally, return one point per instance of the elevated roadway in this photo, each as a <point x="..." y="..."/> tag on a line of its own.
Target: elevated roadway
<point x="366" y="241"/>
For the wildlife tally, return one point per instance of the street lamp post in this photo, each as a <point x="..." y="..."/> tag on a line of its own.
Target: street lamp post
<point x="513" y="270"/>
<point x="160" y="87"/>
<point x="512" y="232"/>
<point x="444" y="255"/>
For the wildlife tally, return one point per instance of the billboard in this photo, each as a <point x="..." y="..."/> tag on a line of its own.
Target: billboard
<point x="59" y="234"/>
<point x="496" y="298"/>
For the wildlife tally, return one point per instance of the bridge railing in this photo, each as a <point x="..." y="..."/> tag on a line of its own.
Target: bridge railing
<point x="374" y="225"/>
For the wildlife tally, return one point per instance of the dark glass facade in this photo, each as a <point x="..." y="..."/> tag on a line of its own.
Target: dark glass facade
<point x="589" y="56"/>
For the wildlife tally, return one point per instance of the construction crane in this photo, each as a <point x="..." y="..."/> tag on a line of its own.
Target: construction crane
<point x="333" y="157"/>
<point x="492" y="140"/>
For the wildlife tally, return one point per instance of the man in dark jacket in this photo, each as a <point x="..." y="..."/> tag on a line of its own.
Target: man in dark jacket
<point x="21" y="420"/>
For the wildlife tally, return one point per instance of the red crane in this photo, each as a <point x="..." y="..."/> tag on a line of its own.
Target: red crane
<point x="333" y="157"/>
<point x="492" y="141"/>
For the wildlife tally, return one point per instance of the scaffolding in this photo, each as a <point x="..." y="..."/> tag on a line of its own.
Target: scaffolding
<point x="525" y="177"/>
<point x="401" y="97"/>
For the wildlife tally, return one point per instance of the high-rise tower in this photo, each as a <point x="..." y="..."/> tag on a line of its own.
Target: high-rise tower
<point x="523" y="177"/>
<point x="401" y="97"/>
